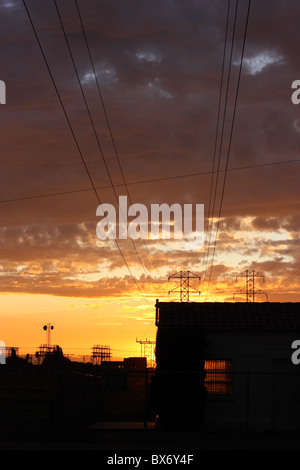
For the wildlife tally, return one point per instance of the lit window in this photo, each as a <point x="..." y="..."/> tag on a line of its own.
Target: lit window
<point x="218" y="378"/>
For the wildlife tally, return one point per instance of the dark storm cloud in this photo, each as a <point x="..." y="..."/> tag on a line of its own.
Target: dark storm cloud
<point x="159" y="67"/>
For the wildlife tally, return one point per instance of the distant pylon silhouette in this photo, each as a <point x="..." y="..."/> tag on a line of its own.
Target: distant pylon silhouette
<point x="249" y="289"/>
<point x="147" y="350"/>
<point x="101" y="354"/>
<point x="184" y="286"/>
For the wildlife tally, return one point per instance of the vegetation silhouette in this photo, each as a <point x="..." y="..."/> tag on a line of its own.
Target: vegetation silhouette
<point x="56" y="358"/>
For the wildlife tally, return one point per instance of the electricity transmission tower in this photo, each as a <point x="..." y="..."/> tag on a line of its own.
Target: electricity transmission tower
<point x="184" y="286"/>
<point x="249" y="289"/>
<point x="101" y="354"/>
<point x="147" y="350"/>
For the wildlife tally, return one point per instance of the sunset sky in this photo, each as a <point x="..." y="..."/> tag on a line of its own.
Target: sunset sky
<point x="150" y="132"/>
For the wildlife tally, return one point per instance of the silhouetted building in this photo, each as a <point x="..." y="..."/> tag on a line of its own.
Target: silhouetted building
<point x="250" y="379"/>
<point x="138" y="363"/>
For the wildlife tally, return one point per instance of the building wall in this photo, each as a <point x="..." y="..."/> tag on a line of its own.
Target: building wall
<point x="266" y="384"/>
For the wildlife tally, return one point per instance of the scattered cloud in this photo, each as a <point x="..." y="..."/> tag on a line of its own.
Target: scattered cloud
<point x="160" y="72"/>
<point x="259" y="62"/>
<point x="147" y="56"/>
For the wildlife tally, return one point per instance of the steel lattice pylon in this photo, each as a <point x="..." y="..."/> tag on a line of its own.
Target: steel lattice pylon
<point x="249" y="289"/>
<point x="184" y="286"/>
<point x="147" y="351"/>
<point x="101" y="354"/>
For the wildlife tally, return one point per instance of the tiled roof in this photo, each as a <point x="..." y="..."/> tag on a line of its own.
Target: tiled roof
<point x="230" y="316"/>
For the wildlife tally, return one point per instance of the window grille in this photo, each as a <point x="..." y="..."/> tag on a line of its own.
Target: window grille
<point x="218" y="378"/>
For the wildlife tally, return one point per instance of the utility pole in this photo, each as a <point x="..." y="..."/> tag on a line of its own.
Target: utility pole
<point x="249" y="289"/>
<point x="184" y="286"/>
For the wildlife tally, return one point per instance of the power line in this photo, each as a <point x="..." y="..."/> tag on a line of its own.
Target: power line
<point x="100" y="94"/>
<point x="126" y="184"/>
<point x="285" y="253"/>
<point x="209" y="226"/>
<point x="222" y="133"/>
<point x="288" y="278"/>
<point x="92" y="122"/>
<point x="230" y="137"/>
<point x="153" y="180"/>
<point x="291" y="275"/>
<point x="74" y="137"/>
<point x="61" y="103"/>
<point x="106" y="117"/>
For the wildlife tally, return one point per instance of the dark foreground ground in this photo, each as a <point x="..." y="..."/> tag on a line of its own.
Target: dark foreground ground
<point x="134" y="437"/>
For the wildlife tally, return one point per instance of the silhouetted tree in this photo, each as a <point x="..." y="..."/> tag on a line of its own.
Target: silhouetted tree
<point x="15" y="361"/>
<point x="56" y="357"/>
